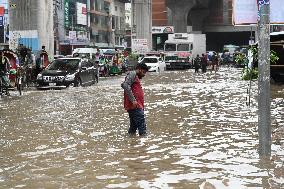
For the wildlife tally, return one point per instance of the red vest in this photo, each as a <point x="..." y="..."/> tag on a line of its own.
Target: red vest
<point x="138" y="94"/>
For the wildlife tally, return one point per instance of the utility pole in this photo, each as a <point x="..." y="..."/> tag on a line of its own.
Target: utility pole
<point x="264" y="115"/>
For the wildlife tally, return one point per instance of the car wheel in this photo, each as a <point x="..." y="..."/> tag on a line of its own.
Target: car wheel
<point x="78" y="82"/>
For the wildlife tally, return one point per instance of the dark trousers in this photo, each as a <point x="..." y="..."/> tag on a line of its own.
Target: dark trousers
<point x="137" y="121"/>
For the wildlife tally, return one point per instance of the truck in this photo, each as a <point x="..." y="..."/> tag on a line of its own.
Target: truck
<point x="181" y="48"/>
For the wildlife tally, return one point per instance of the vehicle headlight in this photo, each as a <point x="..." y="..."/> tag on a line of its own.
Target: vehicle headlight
<point x="39" y="76"/>
<point x="70" y="77"/>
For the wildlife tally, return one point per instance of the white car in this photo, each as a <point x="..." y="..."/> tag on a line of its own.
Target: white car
<point x="154" y="63"/>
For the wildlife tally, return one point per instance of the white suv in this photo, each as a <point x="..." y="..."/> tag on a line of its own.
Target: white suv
<point x="154" y="63"/>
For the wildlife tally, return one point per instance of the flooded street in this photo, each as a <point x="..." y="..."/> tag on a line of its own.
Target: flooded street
<point x="201" y="135"/>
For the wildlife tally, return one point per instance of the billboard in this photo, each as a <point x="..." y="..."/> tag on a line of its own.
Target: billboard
<point x="81" y="14"/>
<point x="246" y="12"/>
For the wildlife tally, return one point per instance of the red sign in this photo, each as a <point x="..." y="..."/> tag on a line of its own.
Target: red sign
<point x="184" y="54"/>
<point x="84" y="10"/>
<point x="2" y="11"/>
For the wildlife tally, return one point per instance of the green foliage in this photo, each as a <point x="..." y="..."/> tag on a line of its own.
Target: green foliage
<point x="133" y="57"/>
<point x="273" y="55"/>
<point x="241" y="59"/>
<point x="248" y="74"/>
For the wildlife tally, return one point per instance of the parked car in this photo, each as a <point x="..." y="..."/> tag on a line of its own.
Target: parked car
<point x="154" y="63"/>
<point x="65" y="72"/>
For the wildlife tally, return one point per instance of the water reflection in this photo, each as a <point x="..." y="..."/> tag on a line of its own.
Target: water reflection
<point x="202" y="135"/>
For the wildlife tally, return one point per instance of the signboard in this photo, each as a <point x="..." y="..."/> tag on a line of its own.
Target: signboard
<point x="162" y="29"/>
<point x="246" y="12"/>
<point x="140" y="46"/>
<point x="66" y="13"/>
<point x="81" y="14"/>
<point x="72" y="35"/>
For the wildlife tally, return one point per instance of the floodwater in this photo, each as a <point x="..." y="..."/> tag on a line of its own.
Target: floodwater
<point x="201" y="135"/>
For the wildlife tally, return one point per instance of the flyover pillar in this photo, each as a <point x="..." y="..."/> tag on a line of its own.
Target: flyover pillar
<point x="197" y="19"/>
<point x="180" y="11"/>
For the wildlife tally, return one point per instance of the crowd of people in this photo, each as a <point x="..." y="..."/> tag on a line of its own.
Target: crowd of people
<point x="206" y="61"/>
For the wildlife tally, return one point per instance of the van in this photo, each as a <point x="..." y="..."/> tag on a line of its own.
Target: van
<point x="89" y="53"/>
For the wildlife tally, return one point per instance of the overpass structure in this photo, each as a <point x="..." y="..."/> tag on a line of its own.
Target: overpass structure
<point x="185" y="11"/>
<point x="211" y="17"/>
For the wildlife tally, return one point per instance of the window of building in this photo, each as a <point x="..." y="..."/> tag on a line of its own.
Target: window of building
<point x="97" y="5"/>
<point x="113" y="22"/>
<point x="106" y="7"/>
<point x="122" y="23"/>
<point x="115" y="8"/>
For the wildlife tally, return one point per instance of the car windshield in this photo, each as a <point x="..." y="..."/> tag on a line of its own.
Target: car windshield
<point x="64" y="64"/>
<point x="170" y="47"/>
<point x="183" y="47"/>
<point x="150" y="60"/>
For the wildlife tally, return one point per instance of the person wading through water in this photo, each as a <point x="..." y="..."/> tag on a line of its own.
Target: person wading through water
<point x="134" y="99"/>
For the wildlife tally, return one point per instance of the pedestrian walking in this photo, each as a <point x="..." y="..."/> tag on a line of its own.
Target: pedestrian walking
<point x="203" y="63"/>
<point x="97" y="56"/>
<point x="4" y="72"/>
<point x="134" y="99"/>
<point x="215" y="61"/>
<point x="197" y="62"/>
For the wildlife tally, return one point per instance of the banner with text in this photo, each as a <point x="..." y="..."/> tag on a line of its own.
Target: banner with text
<point x="246" y="12"/>
<point x="140" y="46"/>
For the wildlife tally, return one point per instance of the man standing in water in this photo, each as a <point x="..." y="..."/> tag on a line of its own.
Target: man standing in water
<point x="134" y="99"/>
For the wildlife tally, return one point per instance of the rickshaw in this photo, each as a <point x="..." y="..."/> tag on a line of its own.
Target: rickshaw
<point x="115" y="67"/>
<point x="13" y="60"/>
<point x="104" y="66"/>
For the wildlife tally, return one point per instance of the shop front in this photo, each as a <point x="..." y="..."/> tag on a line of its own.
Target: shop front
<point x="160" y="35"/>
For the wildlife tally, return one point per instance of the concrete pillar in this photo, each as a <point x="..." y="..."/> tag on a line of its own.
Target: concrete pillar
<point x="197" y="18"/>
<point x="31" y="21"/>
<point x="142" y="20"/>
<point x="180" y="11"/>
<point x="45" y="25"/>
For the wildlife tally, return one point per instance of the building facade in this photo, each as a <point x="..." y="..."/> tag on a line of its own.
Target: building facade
<point x="100" y="22"/>
<point x="107" y="22"/>
<point x="71" y="25"/>
<point x="118" y="22"/>
<point x="159" y="13"/>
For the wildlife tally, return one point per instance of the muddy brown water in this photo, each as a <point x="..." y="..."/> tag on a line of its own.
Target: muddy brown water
<point x="201" y="135"/>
